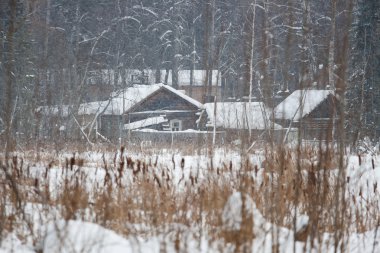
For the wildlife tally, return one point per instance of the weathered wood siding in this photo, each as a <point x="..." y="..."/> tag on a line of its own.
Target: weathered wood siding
<point x="326" y="109"/>
<point x="318" y="124"/>
<point x="163" y="100"/>
<point x="188" y="118"/>
<point x="174" y="106"/>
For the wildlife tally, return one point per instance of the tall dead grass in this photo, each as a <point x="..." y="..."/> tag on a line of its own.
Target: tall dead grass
<point x="141" y="197"/>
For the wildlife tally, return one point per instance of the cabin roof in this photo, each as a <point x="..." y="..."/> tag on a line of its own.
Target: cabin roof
<point x="120" y="101"/>
<point x="138" y="93"/>
<point x="239" y="115"/>
<point x="183" y="96"/>
<point x="123" y="100"/>
<point x="300" y="103"/>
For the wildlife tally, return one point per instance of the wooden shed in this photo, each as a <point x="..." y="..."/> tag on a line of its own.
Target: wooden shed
<point x="313" y="112"/>
<point x="238" y="119"/>
<point x="166" y="109"/>
<point x="156" y="106"/>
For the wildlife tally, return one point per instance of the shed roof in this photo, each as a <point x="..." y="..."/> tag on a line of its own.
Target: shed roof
<point x="120" y="101"/>
<point x="239" y="115"/>
<point x="300" y="103"/>
<point x="123" y="100"/>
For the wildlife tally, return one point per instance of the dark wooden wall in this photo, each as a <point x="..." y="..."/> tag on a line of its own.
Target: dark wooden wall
<point x="168" y="101"/>
<point x="319" y="124"/>
<point x="163" y="100"/>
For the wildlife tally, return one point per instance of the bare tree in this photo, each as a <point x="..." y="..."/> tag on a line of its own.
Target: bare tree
<point x="9" y="69"/>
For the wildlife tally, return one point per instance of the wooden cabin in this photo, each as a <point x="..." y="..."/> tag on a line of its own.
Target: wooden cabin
<point x="156" y="107"/>
<point x="166" y="109"/>
<point x="313" y="112"/>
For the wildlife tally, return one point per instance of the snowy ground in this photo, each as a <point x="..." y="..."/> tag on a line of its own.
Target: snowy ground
<point x="49" y="232"/>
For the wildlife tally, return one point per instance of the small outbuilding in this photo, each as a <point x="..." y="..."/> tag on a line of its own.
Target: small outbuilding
<point x="156" y="107"/>
<point x="313" y="112"/>
<point x="238" y="119"/>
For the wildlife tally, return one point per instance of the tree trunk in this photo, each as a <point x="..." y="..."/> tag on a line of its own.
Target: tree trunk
<point x="332" y="46"/>
<point x="9" y="79"/>
<point x="176" y="51"/>
<point x="211" y="48"/>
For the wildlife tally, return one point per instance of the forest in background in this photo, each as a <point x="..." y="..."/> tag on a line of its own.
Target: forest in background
<point x="295" y="196"/>
<point x="51" y="49"/>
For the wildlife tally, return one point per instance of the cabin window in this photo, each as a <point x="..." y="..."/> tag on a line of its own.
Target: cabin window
<point x="176" y="125"/>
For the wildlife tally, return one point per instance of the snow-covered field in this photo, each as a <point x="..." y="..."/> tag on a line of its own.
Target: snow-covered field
<point x="170" y="201"/>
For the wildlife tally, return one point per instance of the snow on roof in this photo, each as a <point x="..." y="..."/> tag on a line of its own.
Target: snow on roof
<point x="120" y="101"/>
<point x="239" y="115"/>
<point x="137" y="93"/>
<point x="145" y="122"/>
<point x="123" y="100"/>
<point x="300" y="103"/>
